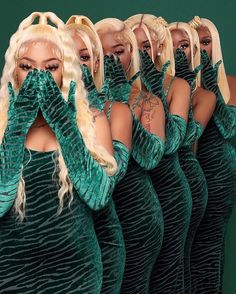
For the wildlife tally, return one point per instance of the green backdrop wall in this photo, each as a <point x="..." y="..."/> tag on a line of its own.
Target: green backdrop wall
<point x="222" y="13"/>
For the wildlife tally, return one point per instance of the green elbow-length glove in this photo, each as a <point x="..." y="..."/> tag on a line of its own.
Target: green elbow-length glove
<point x="119" y="87"/>
<point x="96" y="98"/>
<point x="148" y="148"/>
<point x="182" y="69"/>
<point x="23" y="109"/>
<point x="89" y="179"/>
<point x="153" y="80"/>
<point x="224" y="115"/>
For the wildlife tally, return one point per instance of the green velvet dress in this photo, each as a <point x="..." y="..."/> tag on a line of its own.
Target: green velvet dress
<point x="198" y="187"/>
<point x="174" y="195"/>
<point x="48" y="253"/>
<point x="109" y="233"/>
<point x="217" y="157"/>
<point x="139" y="211"/>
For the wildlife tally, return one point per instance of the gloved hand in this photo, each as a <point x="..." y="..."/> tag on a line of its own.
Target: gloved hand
<point x="89" y="179"/>
<point x="152" y="78"/>
<point x="209" y="73"/>
<point x="120" y="87"/>
<point x="182" y="68"/>
<point x="96" y="98"/>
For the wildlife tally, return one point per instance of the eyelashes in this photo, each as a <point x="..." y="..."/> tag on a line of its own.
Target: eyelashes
<point x="184" y="46"/>
<point x="52" y="67"/>
<point x="205" y="42"/>
<point x="28" y="67"/>
<point x="84" y="58"/>
<point x="25" y="66"/>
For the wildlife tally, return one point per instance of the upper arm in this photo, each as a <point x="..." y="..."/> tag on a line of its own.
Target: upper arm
<point x="121" y="123"/>
<point x="102" y="130"/>
<point x="204" y="103"/>
<point x="153" y="115"/>
<point x="232" y="88"/>
<point x="179" y="98"/>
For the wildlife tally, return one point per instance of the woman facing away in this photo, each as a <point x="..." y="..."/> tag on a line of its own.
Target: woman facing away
<point x="136" y="202"/>
<point x="216" y="155"/>
<point x="106" y="221"/>
<point x="168" y="179"/>
<point x="53" y="173"/>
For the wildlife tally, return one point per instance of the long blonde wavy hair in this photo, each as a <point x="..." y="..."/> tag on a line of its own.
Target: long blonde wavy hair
<point x="156" y="29"/>
<point x="123" y="33"/>
<point x="192" y="35"/>
<point x="216" y="54"/>
<point x="83" y="27"/>
<point x="42" y="31"/>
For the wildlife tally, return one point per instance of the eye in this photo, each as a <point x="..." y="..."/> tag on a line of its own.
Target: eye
<point x="184" y="46"/>
<point x="146" y="47"/>
<point x="52" y="67"/>
<point x="84" y="58"/>
<point x="206" y="42"/>
<point x="119" y="52"/>
<point x="25" y="66"/>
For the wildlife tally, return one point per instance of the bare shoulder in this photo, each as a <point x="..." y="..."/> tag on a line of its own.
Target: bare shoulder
<point x="181" y="84"/>
<point x="203" y="96"/>
<point x="179" y="87"/>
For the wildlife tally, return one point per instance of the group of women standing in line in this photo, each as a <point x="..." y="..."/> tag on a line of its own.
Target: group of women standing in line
<point x="117" y="173"/>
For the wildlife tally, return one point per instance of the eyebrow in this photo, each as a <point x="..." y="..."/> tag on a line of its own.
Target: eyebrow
<point x="147" y="41"/>
<point x="117" y="45"/>
<point x="83" y="49"/>
<point x="184" y="40"/>
<point x="47" y="60"/>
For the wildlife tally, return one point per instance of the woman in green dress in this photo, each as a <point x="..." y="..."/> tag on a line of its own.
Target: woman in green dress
<point x="187" y="48"/>
<point x="53" y="173"/>
<point x="168" y="178"/>
<point x="218" y="161"/>
<point x="135" y="199"/>
<point x="106" y="221"/>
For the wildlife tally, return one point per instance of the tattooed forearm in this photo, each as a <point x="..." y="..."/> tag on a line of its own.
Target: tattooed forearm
<point x="146" y="120"/>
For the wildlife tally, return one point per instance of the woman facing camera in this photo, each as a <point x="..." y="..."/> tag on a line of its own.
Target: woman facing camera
<point x="168" y="179"/>
<point x="53" y="174"/>
<point x="106" y="222"/>
<point x="136" y="202"/>
<point x="217" y="158"/>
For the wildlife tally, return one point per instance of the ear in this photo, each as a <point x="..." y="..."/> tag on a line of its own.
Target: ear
<point x="160" y="48"/>
<point x="131" y="49"/>
<point x="194" y="50"/>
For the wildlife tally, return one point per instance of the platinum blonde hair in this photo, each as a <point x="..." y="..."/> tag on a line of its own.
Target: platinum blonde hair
<point x="82" y="26"/>
<point x="122" y="33"/>
<point x="156" y="30"/>
<point x="198" y="22"/>
<point x="27" y="33"/>
<point x="194" y="45"/>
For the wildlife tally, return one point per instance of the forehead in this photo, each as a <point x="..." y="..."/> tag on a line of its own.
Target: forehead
<point x="39" y="48"/>
<point x="203" y="31"/>
<point x="140" y="33"/>
<point x="179" y="34"/>
<point x="80" y="44"/>
<point x="110" y="39"/>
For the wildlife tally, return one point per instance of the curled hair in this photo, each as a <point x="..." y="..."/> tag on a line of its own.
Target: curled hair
<point x="82" y="26"/>
<point x="156" y="30"/>
<point x="194" y="45"/>
<point x="43" y="32"/>
<point x="216" y="54"/>
<point x="125" y="35"/>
